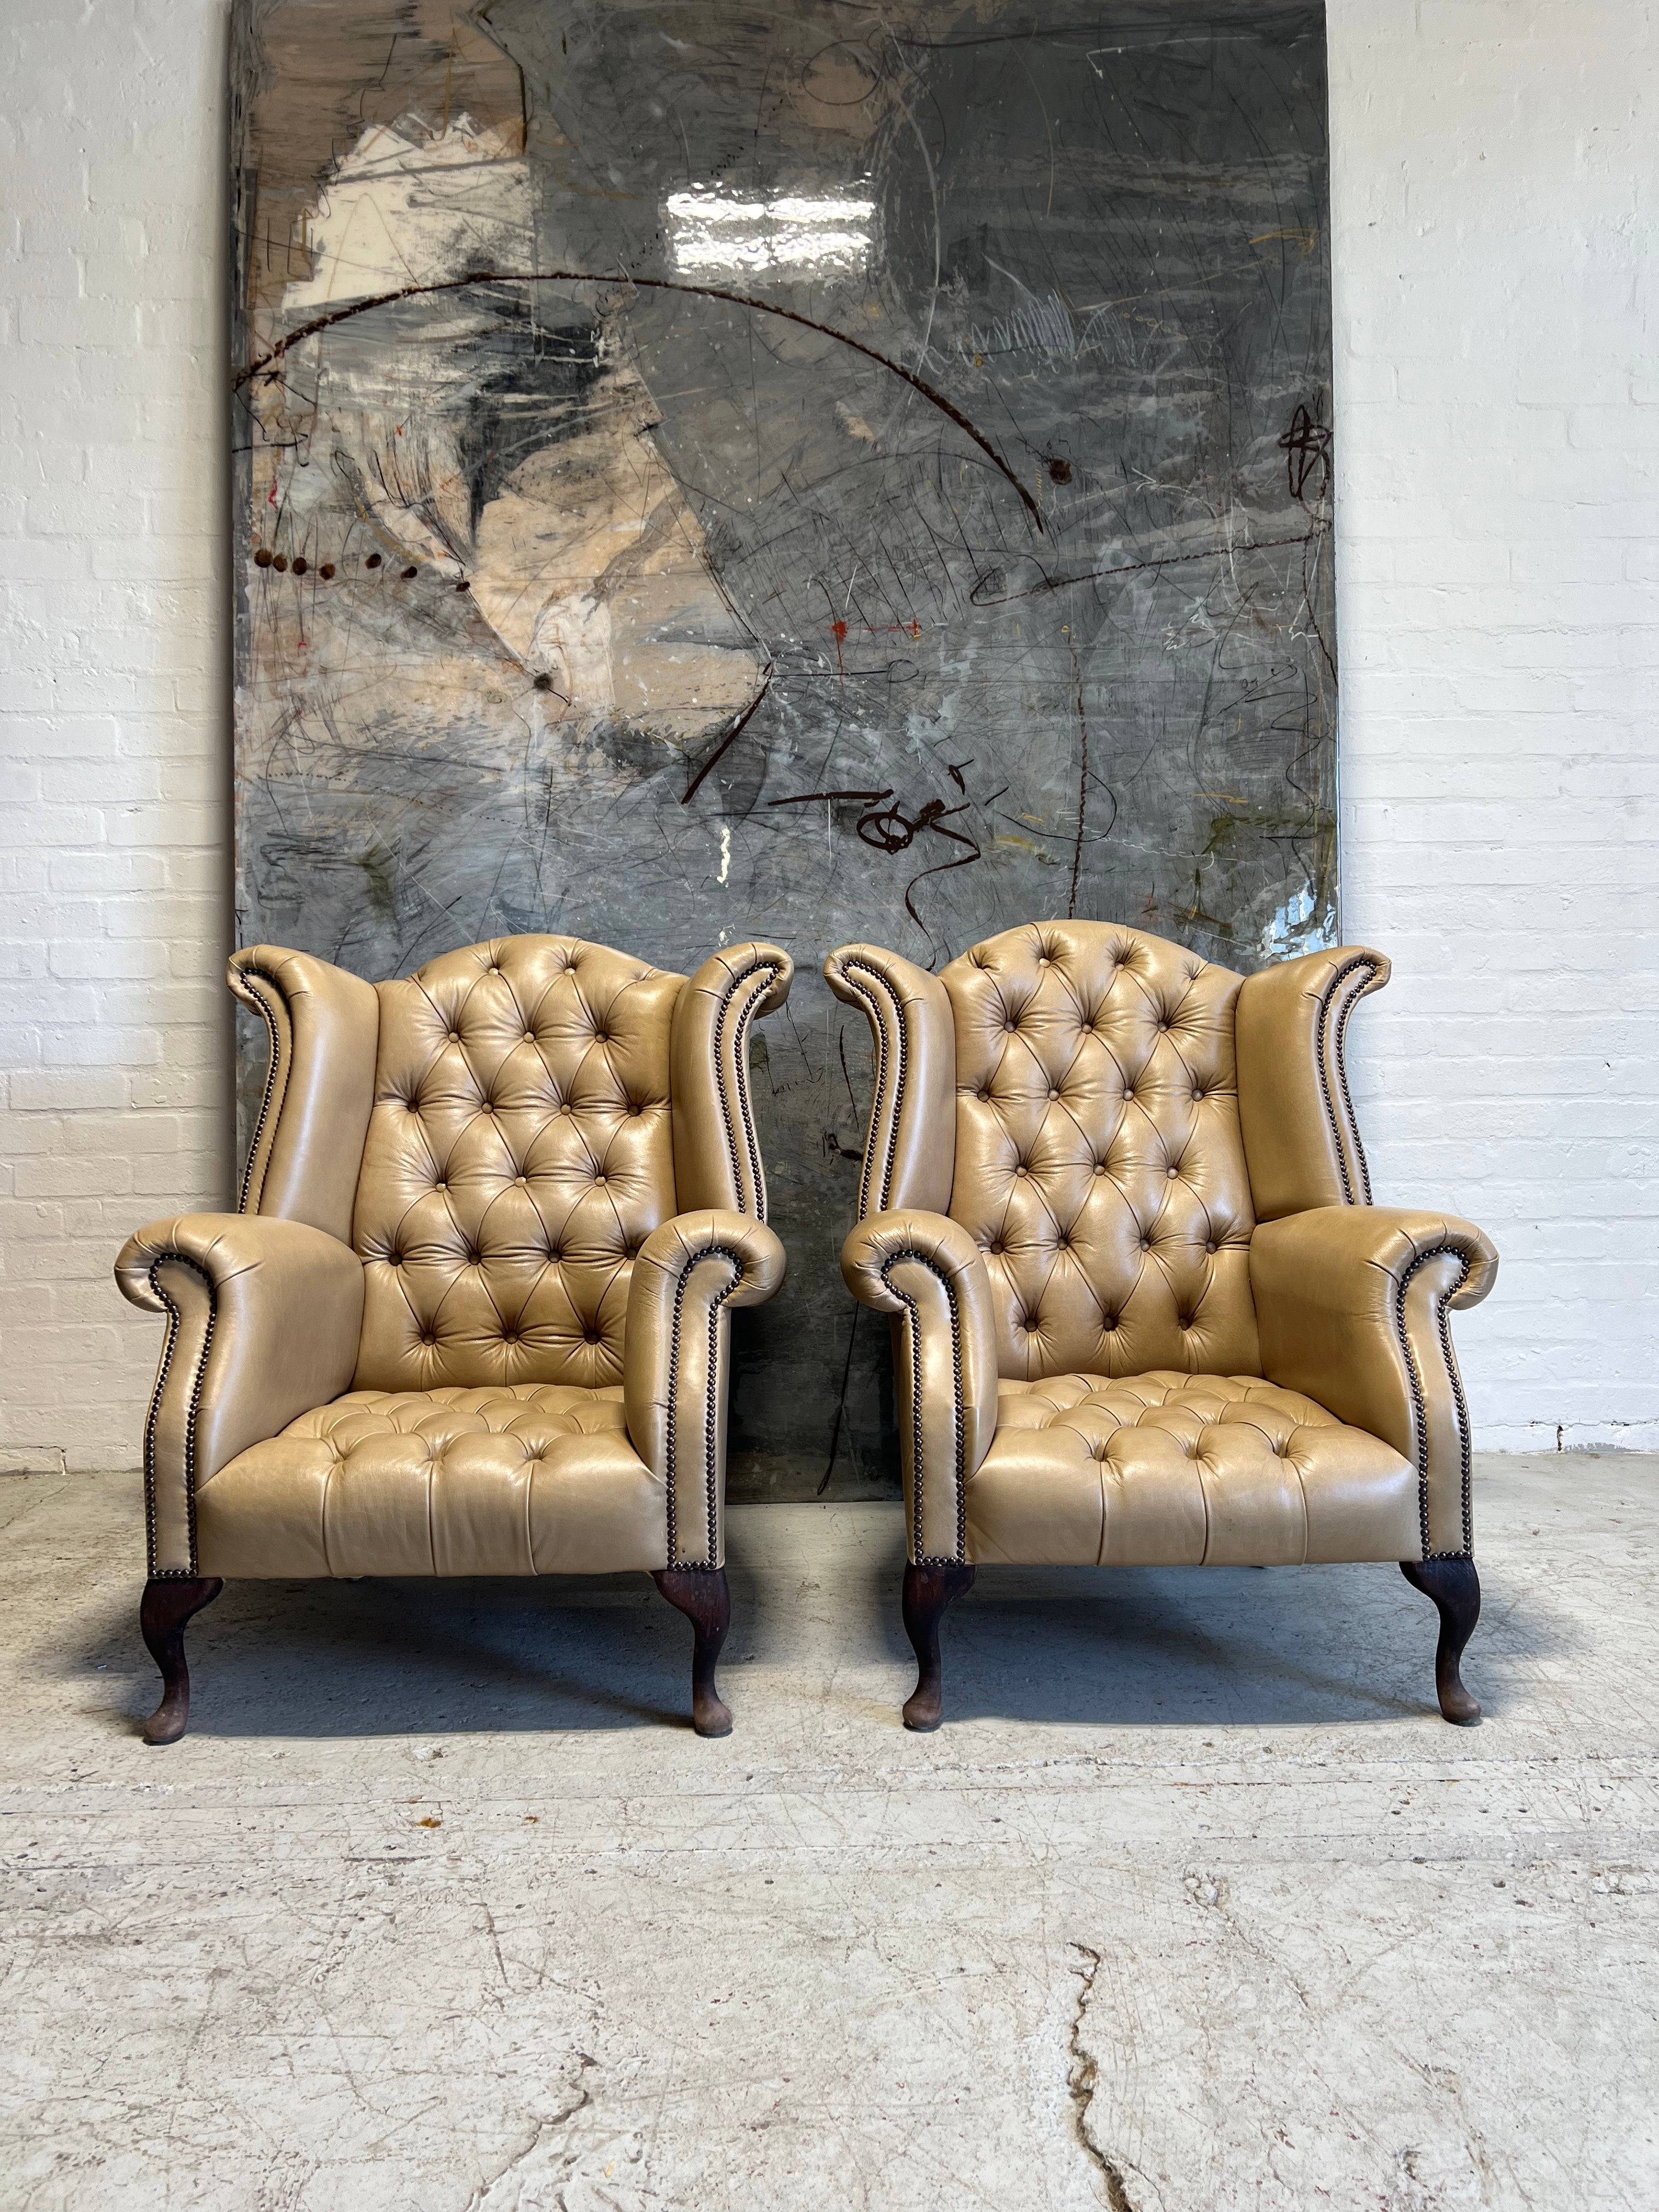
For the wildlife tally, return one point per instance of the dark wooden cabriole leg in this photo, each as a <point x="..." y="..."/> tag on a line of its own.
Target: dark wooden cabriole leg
<point x="928" y="1591"/>
<point x="1455" y="1589"/>
<point x="169" y="1600"/>
<point x="702" y="1594"/>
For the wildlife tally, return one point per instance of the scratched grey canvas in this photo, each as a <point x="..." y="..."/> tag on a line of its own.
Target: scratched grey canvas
<point x="813" y="472"/>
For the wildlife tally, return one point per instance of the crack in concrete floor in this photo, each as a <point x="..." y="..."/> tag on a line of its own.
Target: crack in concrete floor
<point x="1194" y="1901"/>
<point x="1081" y="2076"/>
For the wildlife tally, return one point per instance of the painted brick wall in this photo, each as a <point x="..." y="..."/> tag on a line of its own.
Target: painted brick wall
<point x="1497" y="417"/>
<point x="1497" y="551"/>
<point x="114" y="684"/>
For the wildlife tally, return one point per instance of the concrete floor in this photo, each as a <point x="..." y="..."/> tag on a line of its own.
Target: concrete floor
<point x="1195" y="1903"/>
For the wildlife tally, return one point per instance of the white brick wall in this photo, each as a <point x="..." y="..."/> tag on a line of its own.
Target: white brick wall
<point x="1494" y="208"/>
<point x="1498" y="423"/>
<point x="114" y="884"/>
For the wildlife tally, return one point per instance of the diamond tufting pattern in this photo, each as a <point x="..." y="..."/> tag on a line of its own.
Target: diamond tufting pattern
<point x="519" y="1151"/>
<point x="1099" y="1164"/>
<point x="508" y="1480"/>
<point x="1179" y="1470"/>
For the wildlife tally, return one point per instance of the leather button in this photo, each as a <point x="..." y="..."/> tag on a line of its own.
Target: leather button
<point x="441" y="1184"/>
<point x="556" y="1258"/>
<point x="592" y="1336"/>
<point x="1172" y="1173"/>
<point x="394" y="1258"/>
<point x="454" y="1036"/>
<point x="1022" y="1169"/>
<point x="1008" y="1028"/>
<point x="520" y="1181"/>
<point x="1145" y="1243"/>
<point x="1201" y="1094"/>
<point x="1109" y="1322"/>
<point x="529" y="1037"/>
<point x="1209" y="1248"/>
<point x="429" y="1339"/>
<point x="598" y="1181"/>
<point x="1054" y="1094"/>
<point x="564" y="1107"/>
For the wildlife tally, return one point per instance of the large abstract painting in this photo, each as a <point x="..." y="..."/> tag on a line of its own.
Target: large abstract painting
<point x="812" y="472"/>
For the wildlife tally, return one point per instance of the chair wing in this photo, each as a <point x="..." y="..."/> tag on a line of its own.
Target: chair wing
<point x="324" y="1027"/>
<point x="909" y="1153"/>
<point x="717" y="1154"/>
<point x="1301" y="1136"/>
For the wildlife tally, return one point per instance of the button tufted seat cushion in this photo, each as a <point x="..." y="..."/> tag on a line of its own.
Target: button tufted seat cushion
<point x="1167" y="1469"/>
<point x="519" y="1479"/>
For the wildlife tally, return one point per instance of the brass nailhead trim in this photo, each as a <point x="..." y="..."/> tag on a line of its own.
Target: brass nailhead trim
<point x="711" y="1416"/>
<point x="928" y="1558"/>
<point x="175" y="1323"/>
<point x="873" y="994"/>
<point x="770" y="970"/>
<point x="1420" y="1405"/>
<point x="1361" y="962"/>
<point x="269" y="1013"/>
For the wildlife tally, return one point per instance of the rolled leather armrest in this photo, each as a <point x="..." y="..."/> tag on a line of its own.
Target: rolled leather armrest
<point x="910" y="1152"/>
<point x="688" y="1275"/>
<point x="1352" y="1304"/>
<point x="926" y="1270"/>
<point x="264" y="1317"/>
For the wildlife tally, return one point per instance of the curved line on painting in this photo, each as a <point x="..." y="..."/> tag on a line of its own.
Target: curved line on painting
<point x="928" y="391"/>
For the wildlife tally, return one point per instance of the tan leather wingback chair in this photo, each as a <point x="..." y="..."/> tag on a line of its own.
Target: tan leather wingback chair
<point x="471" y="1315"/>
<point x="1146" y="1314"/>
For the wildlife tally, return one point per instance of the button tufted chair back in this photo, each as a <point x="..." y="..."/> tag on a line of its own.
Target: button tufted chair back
<point x="521" y="1149"/>
<point x="1098" y="1158"/>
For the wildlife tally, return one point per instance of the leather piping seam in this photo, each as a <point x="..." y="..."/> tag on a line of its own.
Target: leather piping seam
<point x="1419" y="1403"/>
<point x="1335" y="1040"/>
<point x="269" y="1014"/>
<point x="175" y="1324"/>
<point x="710" y="1428"/>
<point x="873" y="1003"/>
<point x="933" y="1558"/>
<point x="739" y="1044"/>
